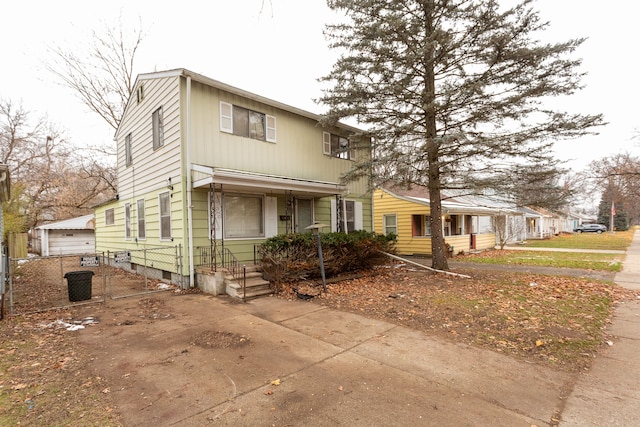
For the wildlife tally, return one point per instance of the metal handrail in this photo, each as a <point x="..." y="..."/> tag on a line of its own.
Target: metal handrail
<point x="222" y="258"/>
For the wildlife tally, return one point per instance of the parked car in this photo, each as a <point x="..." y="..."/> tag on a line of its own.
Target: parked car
<point x="590" y="228"/>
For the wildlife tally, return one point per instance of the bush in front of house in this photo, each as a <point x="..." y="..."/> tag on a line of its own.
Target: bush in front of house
<point x="293" y="257"/>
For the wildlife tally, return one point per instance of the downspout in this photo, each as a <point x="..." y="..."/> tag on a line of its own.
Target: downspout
<point x="189" y="189"/>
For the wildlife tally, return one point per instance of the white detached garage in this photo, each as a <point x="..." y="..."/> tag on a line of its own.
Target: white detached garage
<point x="71" y="236"/>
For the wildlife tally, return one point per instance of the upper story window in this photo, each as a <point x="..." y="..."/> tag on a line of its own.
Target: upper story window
<point x="158" y="128"/>
<point x="128" y="158"/>
<point x="248" y="123"/>
<point x="338" y="146"/>
<point x="140" y="93"/>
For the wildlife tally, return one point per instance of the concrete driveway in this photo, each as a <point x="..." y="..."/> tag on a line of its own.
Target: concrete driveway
<point x="297" y="363"/>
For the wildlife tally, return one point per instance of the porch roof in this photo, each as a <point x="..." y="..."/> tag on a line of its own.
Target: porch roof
<point x="237" y="180"/>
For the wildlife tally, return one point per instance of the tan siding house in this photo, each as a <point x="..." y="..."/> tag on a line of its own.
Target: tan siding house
<point x="205" y="165"/>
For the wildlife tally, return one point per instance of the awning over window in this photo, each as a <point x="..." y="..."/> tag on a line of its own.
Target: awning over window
<point x="236" y="180"/>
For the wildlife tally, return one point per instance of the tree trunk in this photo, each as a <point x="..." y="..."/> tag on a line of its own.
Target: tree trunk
<point x="438" y="248"/>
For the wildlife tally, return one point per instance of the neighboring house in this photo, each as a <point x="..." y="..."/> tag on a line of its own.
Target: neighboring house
<point x="71" y="236"/>
<point x="208" y="166"/>
<point x="406" y="213"/>
<point x="541" y="223"/>
<point x="569" y="222"/>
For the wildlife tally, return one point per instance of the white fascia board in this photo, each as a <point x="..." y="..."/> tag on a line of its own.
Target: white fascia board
<point x="267" y="182"/>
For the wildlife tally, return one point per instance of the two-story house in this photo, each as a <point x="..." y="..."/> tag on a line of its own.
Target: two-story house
<point x="205" y="166"/>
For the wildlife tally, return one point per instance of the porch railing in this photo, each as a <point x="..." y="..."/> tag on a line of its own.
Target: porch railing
<point x="220" y="259"/>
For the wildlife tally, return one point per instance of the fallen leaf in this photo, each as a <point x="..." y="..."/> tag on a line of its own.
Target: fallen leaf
<point x="275" y="382"/>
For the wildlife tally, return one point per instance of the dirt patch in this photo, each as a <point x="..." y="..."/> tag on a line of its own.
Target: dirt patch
<point x="220" y="339"/>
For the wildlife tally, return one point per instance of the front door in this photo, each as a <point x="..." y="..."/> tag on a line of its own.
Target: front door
<point x="304" y="214"/>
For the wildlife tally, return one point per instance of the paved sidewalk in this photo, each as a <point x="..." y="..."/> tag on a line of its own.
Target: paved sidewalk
<point x="609" y="394"/>
<point x="529" y="248"/>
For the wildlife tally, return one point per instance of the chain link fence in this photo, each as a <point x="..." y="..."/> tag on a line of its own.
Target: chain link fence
<point x="45" y="283"/>
<point x="134" y="272"/>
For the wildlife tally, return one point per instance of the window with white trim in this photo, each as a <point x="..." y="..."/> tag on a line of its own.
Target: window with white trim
<point x="350" y="215"/>
<point x="243" y="215"/>
<point x="128" y="158"/>
<point x="158" y="128"/>
<point x="127" y="221"/>
<point x="109" y="217"/>
<point x="164" y="207"/>
<point x="390" y="224"/>
<point x="242" y="121"/>
<point x="338" y="146"/>
<point x="142" y="227"/>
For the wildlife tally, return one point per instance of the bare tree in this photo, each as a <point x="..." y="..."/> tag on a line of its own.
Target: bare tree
<point x="618" y="176"/>
<point x="49" y="181"/>
<point x="103" y="76"/>
<point x="507" y="228"/>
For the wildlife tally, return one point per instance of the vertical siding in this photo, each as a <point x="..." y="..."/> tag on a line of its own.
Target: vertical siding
<point x="296" y="153"/>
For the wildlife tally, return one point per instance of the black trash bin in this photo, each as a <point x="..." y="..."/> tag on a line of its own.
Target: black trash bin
<point x="79" y="284"/>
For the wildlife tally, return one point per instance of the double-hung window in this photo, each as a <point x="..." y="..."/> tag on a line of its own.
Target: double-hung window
<point x="242" y="121"/>
<point x="158" y="128"/>
<point x="390" y="224"/>
<point x="109" y="217"/>
<point x="142" y="228"/>
<point x="164" y="202"/>
<point x="127" y="221"/>
<point x="338" y="146"/>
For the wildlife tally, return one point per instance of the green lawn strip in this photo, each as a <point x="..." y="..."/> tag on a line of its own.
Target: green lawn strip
<point x="619" y="240"/>
<point x="561" y="325"/>
<point x="584" y="260"/>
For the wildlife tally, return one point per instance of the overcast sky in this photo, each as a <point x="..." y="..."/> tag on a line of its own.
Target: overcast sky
<point x="275" y="48"/>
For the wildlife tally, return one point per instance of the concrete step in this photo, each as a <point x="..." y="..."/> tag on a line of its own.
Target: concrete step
<point x="249" y="275"/>
<point x="255" y="286"/>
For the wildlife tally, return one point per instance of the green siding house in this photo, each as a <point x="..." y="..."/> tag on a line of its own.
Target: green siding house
<point x="204" y="166"/>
